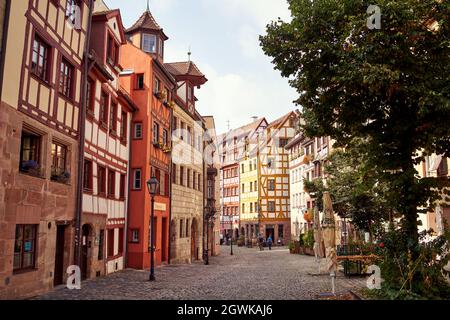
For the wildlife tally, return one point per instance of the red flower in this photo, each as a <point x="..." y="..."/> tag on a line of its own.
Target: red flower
<point x="381" y="245"/>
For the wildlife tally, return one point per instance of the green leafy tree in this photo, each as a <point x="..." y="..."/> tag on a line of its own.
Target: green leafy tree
<point x="388" y="86"/>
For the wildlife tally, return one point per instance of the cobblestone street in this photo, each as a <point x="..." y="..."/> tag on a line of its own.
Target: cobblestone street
<point x="248" y="274"/>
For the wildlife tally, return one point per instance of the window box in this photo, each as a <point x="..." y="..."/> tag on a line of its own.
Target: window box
<point x="32" y="168"/>
<point x="61" y="176"/>
<point x="167" y="149"/>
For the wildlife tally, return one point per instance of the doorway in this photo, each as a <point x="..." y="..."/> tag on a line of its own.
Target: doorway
<point x="194" y="243"/>
<point x="59" y="255"/>
<point x="85" y="244"/>
<point x="270" y="231"/>
<point x="164" y="240"/>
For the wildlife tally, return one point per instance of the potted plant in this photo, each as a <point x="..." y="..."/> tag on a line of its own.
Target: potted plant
<point x="161" y="95"/>
<point x="292" y="247"/>
<point x="60" y="176"/>
<point x="31" y="167"/>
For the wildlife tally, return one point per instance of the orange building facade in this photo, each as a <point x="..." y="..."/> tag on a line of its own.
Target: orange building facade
<point x="151" y="88"/>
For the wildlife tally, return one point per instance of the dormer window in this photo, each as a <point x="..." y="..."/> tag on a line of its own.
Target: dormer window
<point x="161" y="48"/>
<point x="149" y="43"/>
<point x="190" y="92"/>
<point x="113" y="51"/>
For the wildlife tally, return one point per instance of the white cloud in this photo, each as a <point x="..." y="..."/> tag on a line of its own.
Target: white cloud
<point x="238" y="97"/>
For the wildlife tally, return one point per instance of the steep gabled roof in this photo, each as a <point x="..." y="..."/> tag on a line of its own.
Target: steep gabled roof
<point x="146" y="22"/>
<point x="108" y="14"/>
<point x="187" y="69"/>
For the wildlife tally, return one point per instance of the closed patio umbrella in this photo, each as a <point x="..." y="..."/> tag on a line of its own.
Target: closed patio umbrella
<point x="317" y="236"/>
<point x="329" y="236"/>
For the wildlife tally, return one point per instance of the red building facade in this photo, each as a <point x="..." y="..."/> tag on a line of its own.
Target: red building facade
<point x="151" y="88"/>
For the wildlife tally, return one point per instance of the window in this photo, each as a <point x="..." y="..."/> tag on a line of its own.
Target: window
<point x="442" y="170"/>
<point x="137" y="132"/>
<point x="113" y="119"/>
<point x="251" y="186"/>
<point x="181" y="228"/>
<point x="40" y="59"/>
<point x="149" y="43"/>
<point x="120" y="241"/>
<point x="165" y="137"/>
<point x="174" y="173"/>
<point x="101" y="180"/>
<point x="242" y="168"/>
<point x="110" y="243"/>
<point x="280" y="231"/>
<point x="182" y="176"/>
<point x="243" y="208"/>
<point x="251" y="207"/>
<point x="113" y="51"/>
<point x="30" y="153"/>
<point x="101" y="240"/>
<point x="161" y="47"/>
<point x="87" y="183"/>
<point x="25" y="247"/>
<point x="243" y="188"/>
<point x="271" y="206"/>
<point x="155" y="132"/>
<point x="189" y="135"/>
<point x="123" y="127"/>
<point x="111" y="183"/>
<point x="271" y="163"/>
<point x="140" y="81"/>
<point x="175" y="124"/>
<point x="194" y="178"/>
<point x="199" y="182"/>
<point x="59" y="155"/>
<point x="137" y="179"/>
<point x="156" y="86"/>
<point x="123" y="181"/>
<point x="271" y="184"/>
<point x="283" y="142"/>
<point x="90" y="97"/>
<point x="188" y="178"/>
<point x="256" y="185"/>
<point x="199" y="143"/>
<point x="187" y="228"/>
<point x="183" y="130"/>
<point x="104" y="110"/>
<point x="66" y="78"/>
<point x="134" y="238"/>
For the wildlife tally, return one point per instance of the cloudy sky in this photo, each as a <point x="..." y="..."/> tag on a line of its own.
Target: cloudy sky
<point x="223" y="36"/>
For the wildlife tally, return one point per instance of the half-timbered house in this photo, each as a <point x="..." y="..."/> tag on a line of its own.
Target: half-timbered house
<point x="39" y="123"/>
<point x="107" y="148"/>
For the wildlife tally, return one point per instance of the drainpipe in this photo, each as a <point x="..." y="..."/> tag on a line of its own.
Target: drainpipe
<point x="82" y="138"/>
<point x="4" y="42"/>
<point x="205" y="249"/>
<point x="130" y="152"/>
<point x="170" y="187"/>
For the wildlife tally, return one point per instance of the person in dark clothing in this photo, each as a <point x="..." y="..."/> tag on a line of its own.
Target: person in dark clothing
<point x="269" y="242"/>
<point x="261" y="242"/>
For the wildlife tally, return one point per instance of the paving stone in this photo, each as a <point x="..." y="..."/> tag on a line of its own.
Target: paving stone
<point x="248" y="274"/>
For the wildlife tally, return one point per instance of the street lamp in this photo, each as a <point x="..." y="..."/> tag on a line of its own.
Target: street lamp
<point x="231" y="236"/>
<point x="152" y="185"/>
<point x="209" y="219"/>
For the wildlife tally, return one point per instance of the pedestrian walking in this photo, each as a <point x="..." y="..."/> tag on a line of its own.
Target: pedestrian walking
<point x="269" y="242"/>
<point x="261" y="242"/>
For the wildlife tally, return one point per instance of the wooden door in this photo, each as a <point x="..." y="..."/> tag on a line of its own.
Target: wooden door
<point x="59" y="255"/>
